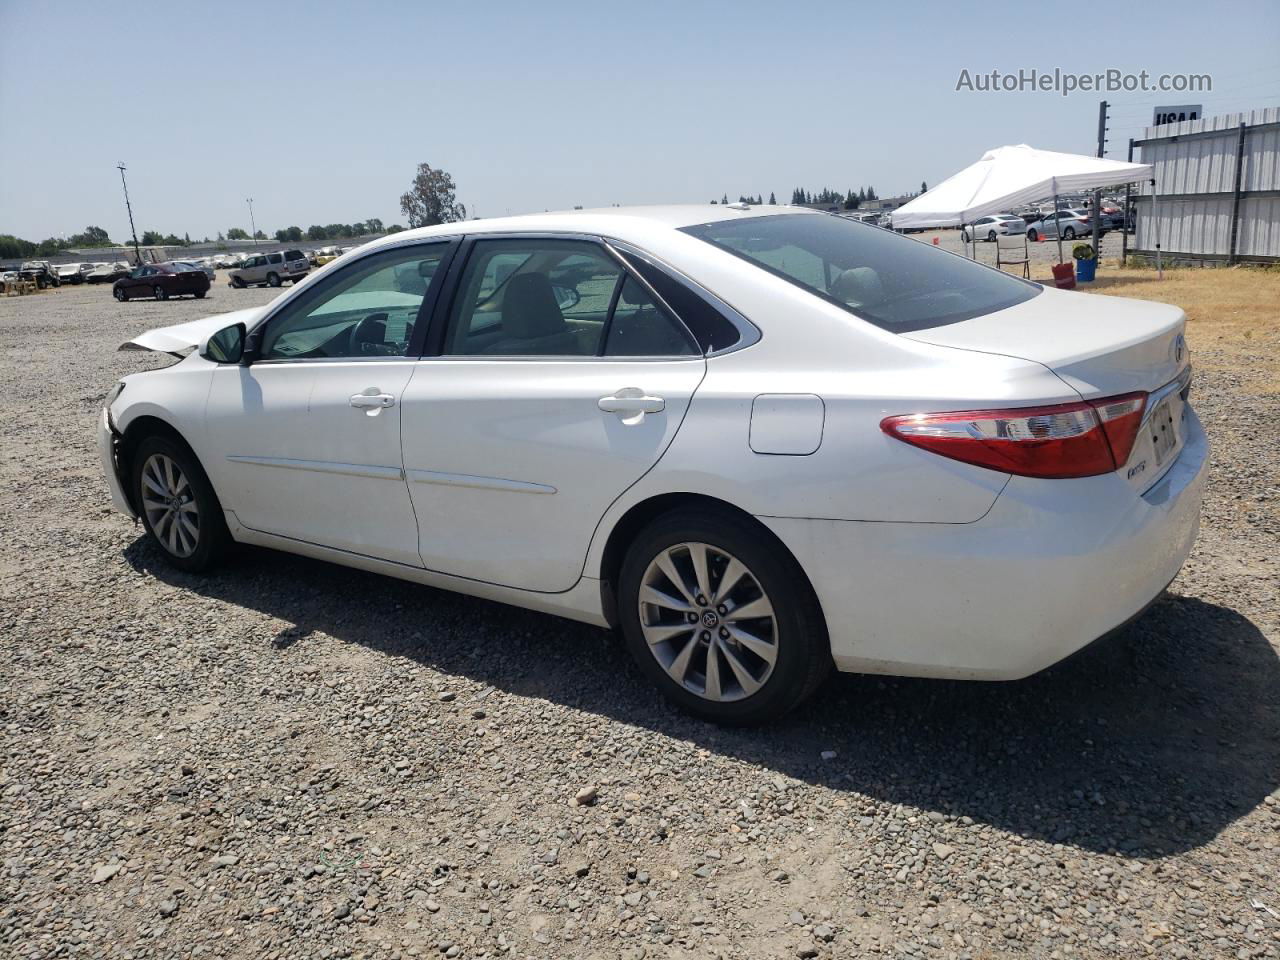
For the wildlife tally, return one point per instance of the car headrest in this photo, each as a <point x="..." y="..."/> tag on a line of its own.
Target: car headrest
<point x="529" y="308"/>
<point x="858" y="286"/>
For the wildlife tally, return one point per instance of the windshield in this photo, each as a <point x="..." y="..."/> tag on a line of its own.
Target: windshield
<point x="897" y="283"/>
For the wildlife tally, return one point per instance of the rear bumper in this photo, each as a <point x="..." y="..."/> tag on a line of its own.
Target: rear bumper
<point x="107" y="454"/>
<point x="1054" y="565"/>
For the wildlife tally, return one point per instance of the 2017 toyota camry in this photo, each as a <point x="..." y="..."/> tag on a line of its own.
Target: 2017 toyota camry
<point x="759" y="441"/>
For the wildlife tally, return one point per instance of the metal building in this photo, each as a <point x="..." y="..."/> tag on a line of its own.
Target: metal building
<point x="1218" y="185"/>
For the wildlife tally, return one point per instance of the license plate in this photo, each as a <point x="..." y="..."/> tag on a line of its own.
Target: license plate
<point x="1164" y="436"/>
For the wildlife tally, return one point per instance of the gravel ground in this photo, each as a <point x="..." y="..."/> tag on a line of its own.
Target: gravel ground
<point x="291" y="759"/>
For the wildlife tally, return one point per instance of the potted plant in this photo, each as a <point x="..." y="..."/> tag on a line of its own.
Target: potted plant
<point x="1086" y="261"/>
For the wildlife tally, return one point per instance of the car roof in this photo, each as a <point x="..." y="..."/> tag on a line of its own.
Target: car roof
<point x="609" y="221"/>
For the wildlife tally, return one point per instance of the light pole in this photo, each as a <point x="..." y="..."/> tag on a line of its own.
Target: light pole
<point x="132" y="229"/>
<point x="252" y="226"/>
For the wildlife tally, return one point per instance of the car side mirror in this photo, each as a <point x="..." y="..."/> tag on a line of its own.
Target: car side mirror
<point x="227" y="345"/>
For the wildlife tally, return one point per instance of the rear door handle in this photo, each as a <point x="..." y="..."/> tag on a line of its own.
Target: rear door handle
<point x="631" y="404"/>
<point x="372" y="401"/>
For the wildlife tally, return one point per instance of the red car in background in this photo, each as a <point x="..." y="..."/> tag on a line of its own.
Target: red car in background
<point x="162" y="281"/>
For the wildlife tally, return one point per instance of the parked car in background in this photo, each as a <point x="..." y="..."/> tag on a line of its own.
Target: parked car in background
<point x="758" y="443"/>
<point x="199" y="265"/>
<point x="1071" y="223"/>
<point x="107" y="272"/>
<point x="271" y="269"/>
<point x="988" y="228"/>
<point x="41" y="272"/>
<point x="69" y="273"/>
<point x="162" y="281"/>
<point x="326" y="255"/>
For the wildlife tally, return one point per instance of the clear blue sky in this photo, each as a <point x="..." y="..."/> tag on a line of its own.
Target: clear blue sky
<point x="320" y="111"/>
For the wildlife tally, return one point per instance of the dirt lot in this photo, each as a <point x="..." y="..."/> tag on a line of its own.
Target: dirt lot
<point x="291" y="759"/>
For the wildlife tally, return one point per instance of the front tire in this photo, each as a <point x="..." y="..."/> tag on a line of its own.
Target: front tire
<point x="1069" y="233"/>
<point x="1032" y="235"/>
<point x="720" y="618"/>
<point x="991" y="236"/>
<point x="119" y="294"/>
<point x="200" y="294"/>
<point x="177" y="504"/>
<point x="238" y="283"/>
<point x="273" y="279"/>
<point x="160" y="293"/>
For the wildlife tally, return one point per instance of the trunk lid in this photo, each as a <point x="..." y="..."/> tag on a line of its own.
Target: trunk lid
<point x="1101" y="347"/>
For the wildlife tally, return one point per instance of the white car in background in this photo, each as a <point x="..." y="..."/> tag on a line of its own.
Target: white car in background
<point x="760" y="443"/>
<point x="988" y="228"/>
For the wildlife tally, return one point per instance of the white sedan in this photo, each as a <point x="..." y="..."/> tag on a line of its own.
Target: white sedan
<point x="988" y="228"/>
<point x="759" y="442"/>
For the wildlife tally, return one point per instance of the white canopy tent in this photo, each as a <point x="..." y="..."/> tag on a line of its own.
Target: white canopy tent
<point x="1008" y="176"/>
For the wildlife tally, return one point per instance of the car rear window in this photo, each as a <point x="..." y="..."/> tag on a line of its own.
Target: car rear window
<point x="887" y="279"/>
<point x="294" y="255"/>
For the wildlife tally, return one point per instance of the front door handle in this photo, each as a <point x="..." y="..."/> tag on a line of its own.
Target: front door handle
<point x="372" y="401"/>
<point x="631" y="404"/>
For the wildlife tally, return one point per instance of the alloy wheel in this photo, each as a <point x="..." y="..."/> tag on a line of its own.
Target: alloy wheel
<point x="169" y="502"/>
<point x="708" y="622"/>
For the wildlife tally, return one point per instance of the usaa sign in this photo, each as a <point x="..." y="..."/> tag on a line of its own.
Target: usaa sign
<point x="1188" y="111"/>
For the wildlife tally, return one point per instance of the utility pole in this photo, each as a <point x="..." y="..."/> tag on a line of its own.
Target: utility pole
<point x="1097" y="193"/>
<point x="252" y="226"/>
<point x="132" y="229"/>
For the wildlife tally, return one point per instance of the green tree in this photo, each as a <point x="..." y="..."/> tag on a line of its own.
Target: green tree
<point x="316" y="232"/>
<point x="235" y="233"/>
<point x="152" y="238"/>
<point x="773" y="201"/>
<point x="924" y="187"/>
<point x="373" y="225"/>
<point x="431" y="199"/>
<point x="395" y="228"/>
<point x="11" y="247"/>
<point x="92" y="237"/>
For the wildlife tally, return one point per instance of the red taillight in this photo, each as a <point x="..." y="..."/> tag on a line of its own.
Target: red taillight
<point x="1059" y="441"/>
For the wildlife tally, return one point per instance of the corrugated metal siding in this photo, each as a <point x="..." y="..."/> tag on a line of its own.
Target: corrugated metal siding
<point x="1208" y="165"/>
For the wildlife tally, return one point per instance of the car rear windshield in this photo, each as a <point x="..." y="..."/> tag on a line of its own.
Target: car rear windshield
<point x="897" y="283"/>
<point x="294" y="255"/>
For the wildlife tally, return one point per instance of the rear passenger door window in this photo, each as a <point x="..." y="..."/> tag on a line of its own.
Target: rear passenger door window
<point x="556" y="298"/>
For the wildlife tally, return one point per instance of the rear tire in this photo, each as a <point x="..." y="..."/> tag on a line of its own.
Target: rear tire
<point x="764" y="577"/>
<point x="991" y="236"/>
<point x="1032" y="235"/>
<point x="179" y="509"/>
<point x="200" y="294"/>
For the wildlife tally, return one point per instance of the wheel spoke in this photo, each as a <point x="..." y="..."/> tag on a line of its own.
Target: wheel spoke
<point x="680" y="665"/>
<point x="187" y="526"/>
<point x="170" y="483"/>
<point x="713" y="671"/>
<point x="173" y="535"/>
<point x="759" y="607"/>
<point x="698" y="556"/>
<point x="745" y="680"/>
<point x="152" y="484"/>
<point x="668" y="567"/>
<point x="766" y="651"/>
<point x="729" y="579"/>
<point x="656" y="597"/>
<point x="659" y="633"/>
